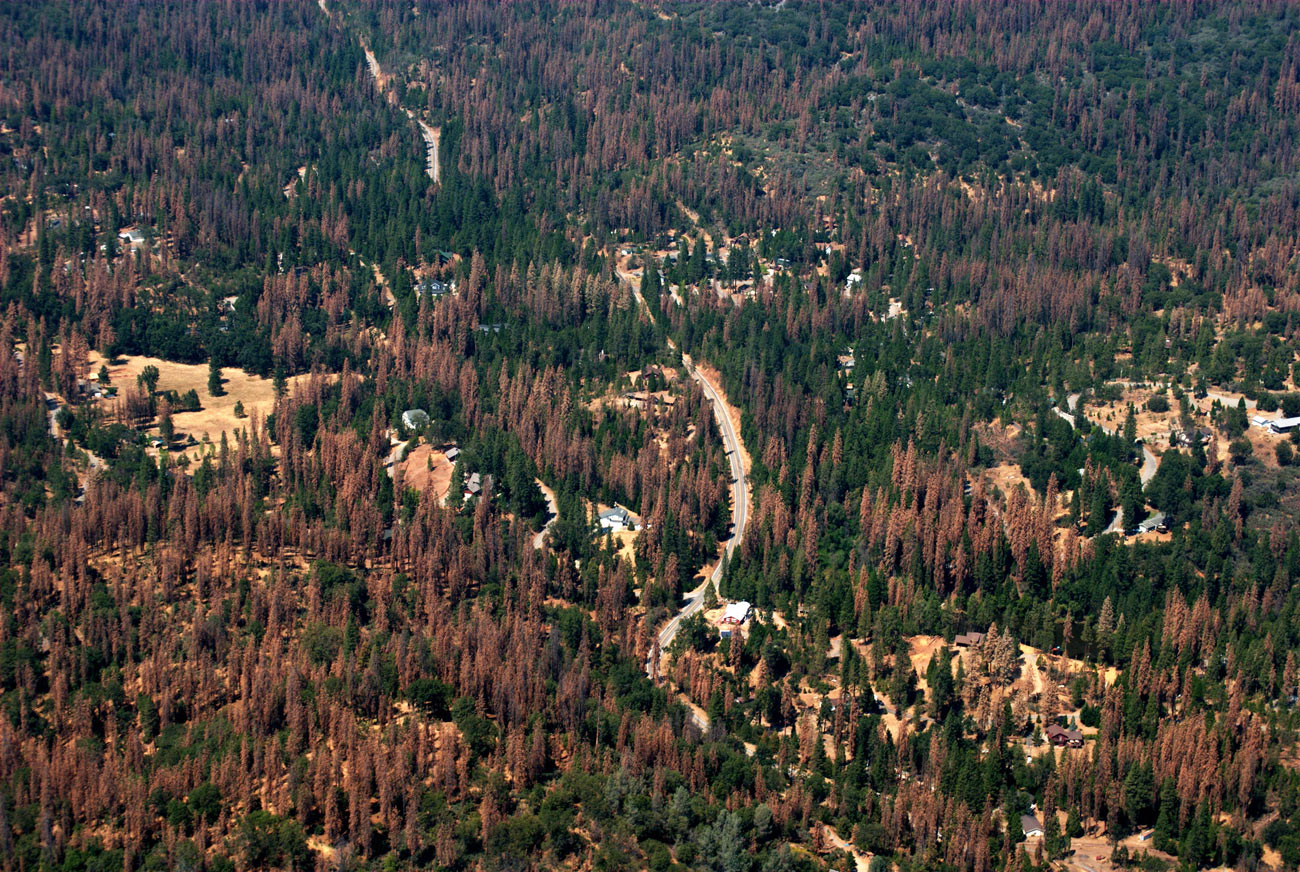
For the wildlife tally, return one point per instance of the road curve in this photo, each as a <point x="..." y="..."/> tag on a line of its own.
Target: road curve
<point x="432" y="144"/>
<point x="1150" y="463"/>
<point x="739" y="517"/>
<point x="730" y="438"/>
<point x="694" y="601"/>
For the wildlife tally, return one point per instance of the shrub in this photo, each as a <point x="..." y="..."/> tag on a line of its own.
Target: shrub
<point x="269" y="840"/>
<point x="1285" y="453"/>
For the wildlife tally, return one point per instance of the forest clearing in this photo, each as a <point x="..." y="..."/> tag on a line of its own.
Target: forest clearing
<point x="252" y="394"/>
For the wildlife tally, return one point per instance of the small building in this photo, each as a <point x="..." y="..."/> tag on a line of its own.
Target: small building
<point x="433" y="287"/>
<point x="846" y="361"/>
<point x="1030" y="825"/>
<point x="1155" y="522"/>
<point x="1062" y="737"/>
<point x="131" y="235"/>
<point x="451" y="454"/>
<point x="1200" y="437"/>
<point x="415" y="419"/>
<point x="1284" y="425"/>
<point x="473" y="486"/>
<point x="735" y="613"/>
<point x="618" y="519"/>
<point x="967" y="640"/>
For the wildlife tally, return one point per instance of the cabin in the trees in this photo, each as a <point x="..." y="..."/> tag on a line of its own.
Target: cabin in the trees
<point x="646" y="399"/>
<point x="1062" y="737"/>
<point x="473" y="486"/>
<point x="617" y="519"/>
<point x="733" y="616"/>
<point x="1030" y="825"/>
<point x="968" y="640"/>
<point x="451" y="454"/>
<point x="735" y="613"/>
<point x="434" y="288"/>
<point x="415" y="419"/>
<point x="131" y="235"/>
<point x="1155" y="522"/>
<point x="1200" y="437"/>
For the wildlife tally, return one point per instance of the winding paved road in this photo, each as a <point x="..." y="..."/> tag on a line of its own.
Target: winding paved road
<point x="1150" y="463"/>
<point x="739" y="501"/>
<point x="433" y="142"/>
<point x="739" y="517"/>
<point x="432" y="135"/>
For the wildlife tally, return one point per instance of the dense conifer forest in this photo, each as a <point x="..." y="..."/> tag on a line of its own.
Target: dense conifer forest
<point x="752" y="436"/>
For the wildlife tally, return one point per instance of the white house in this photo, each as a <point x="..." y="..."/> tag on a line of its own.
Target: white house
<point x="414" y="419"/>
<point x="1031" y="826"/>
<point x="618" y="519"/>
<point x="735" y="613"/>
<point x="1284" y="425"/>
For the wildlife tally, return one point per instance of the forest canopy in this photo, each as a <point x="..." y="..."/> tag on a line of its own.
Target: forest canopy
<point x="741" y="436"/>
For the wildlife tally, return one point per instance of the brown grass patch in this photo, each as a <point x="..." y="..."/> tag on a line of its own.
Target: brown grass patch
<point x="1006" y="477"/>
<point x="1153" y="428"/>
<point x="217" y="414"/>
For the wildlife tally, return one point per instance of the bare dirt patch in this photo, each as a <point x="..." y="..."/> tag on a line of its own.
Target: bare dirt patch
<point x="427" y="470"/>
<point x="921" y="650"/>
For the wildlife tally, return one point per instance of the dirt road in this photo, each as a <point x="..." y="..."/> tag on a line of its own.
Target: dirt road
<point x="861" y="860"/>
<point x="539" y="541"/>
